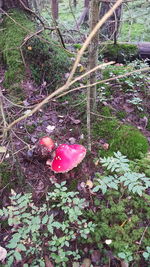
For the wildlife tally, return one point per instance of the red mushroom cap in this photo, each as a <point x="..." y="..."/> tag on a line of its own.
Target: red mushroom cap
<point x="47" y="142"/>
<point x="67" y="157"/>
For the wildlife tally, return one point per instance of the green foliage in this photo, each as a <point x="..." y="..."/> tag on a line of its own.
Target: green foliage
<point x="126" y="255"/>
<point x="121" y="219"/>
<point x="12" y="36"/>
<point x="48" y="61"/>
<point x="39" y="229"/>
<point x="128" y="83"/>
<point x="135" y="27"/>
<point x="141" y="165"/>
<point x="120" y="176"/>
<point x="136" y="101"/>
<point x="120" y="52"/>
<point x="129" y="141"/>
<point x="146" y="254"/>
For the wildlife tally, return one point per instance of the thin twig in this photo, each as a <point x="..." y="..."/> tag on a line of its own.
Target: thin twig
<point x="104" y="81"/>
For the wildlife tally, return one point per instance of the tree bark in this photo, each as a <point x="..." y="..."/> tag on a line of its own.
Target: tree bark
<point x="7" y="4"/>
<point x="75" y="3"/>
<point x="86" y="3"/>
<point x="54" y="8"/>
<point x="109" y="31"/>
<point x="93" y="49"/>
<point x="93" y="60"/>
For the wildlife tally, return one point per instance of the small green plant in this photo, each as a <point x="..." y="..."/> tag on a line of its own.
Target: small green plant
<point x="126" y="255"/>
<point x="37" y="231"/>
<point x="121" y="175"/>
<point x="146" y="254"/>
<point x="137" y="102"/>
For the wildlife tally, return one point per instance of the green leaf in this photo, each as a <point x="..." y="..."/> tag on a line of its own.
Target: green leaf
<point x="146" y="255"/>
<point x="12" y="244"/>
<point x="148" y="249"/>
<point x="45" y="219"/>
<point x="21" y="247"/>
<point x="1" y="212"/>
<point x="96" y="189"/>
<point x="122" y="255"/>
<point x="18" y="256"/>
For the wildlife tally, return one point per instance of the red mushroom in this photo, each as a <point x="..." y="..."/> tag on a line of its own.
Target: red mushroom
<point x="47" y="142"/>
<point x="67" y="157"/>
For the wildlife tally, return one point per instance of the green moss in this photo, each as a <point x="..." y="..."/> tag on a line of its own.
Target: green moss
<point x="105" y="127"/>
<point x="30" y="128"/>
<point x="121" y="114"/>
<point x="5" y="174"/>
<point x="119" y="219"/>
<point x="13" y="32"/>
<point x="120" y="52"/>
<point x="129" y="141"/>
<point x="142" y="165"/>
<point x="47" y="61"/>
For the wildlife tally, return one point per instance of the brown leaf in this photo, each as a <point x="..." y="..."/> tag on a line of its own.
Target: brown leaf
<point x="89" y="183"/>
<point x="86" y="263"/>
<point x="105" y="146"/>
<point x="124" y="264"/>
<point x="95" y="256"/>
<point x="48" y="263"/>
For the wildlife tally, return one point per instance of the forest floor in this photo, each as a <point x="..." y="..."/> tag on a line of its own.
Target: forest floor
<point x="64" y="120"/>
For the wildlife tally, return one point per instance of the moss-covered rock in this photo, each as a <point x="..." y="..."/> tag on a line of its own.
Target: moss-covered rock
<point x="129" y="141"/>
<point x="120" y="53"/>
<point x="13" y="29"/>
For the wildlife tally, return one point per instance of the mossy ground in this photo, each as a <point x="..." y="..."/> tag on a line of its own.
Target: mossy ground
<point x="47" y="61"/>
<point x="120" y="221"/>
<point x="14" y="29"/>
<point x="124" y="138"/>
<point x="5" y="174"/>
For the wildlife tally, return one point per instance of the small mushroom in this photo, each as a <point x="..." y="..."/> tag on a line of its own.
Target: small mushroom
<point x="47" y="142"/>
<point x="67" y="157"/>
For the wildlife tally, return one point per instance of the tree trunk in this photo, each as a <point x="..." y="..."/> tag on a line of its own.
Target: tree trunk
<point x="109" y="31"/>
<point x="75" y="3"/>
<point x="54" y="8"/>
<point x="92" y="60"/>
<point x="85" y="13"/>
<point x="86" y="3"/>
<point x="7" y="4"/>
<point x="93" y="48"/>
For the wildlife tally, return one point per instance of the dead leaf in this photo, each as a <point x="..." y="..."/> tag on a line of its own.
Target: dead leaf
<point x="3" y="254"/>
<point x="50" y="128"/>
<point x="75" y="121"/>
<point x="86" y="263"/>
<point x="3" y="149"/>
<point x="124" y="264"/>
<point x="75" y="264"/>
<point x="89" y="183"/>
<point x="105" y="146"/>
<point x="96" y="162"/>
<point x="49" y="162"/>
<point x="95" y="256"/>
<point x="48" y="263"/>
